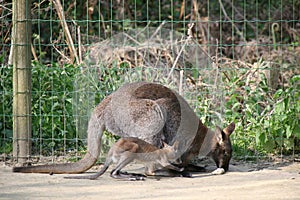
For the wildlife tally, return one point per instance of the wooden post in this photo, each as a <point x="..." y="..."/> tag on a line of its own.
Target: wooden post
<point x="21" y="60"/>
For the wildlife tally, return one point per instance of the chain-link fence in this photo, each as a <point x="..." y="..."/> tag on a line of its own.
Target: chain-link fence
<point x="232" y="60"/>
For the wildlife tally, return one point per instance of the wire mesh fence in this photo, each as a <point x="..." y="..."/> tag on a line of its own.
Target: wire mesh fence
<point x="232" y="60"/>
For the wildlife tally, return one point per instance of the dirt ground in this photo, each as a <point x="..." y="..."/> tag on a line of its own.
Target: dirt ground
<point x="244" y="181"/>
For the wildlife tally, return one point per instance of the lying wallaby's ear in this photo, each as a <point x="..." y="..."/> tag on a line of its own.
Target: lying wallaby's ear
<point x="219" y="135"/>
<point x="229" y="129"/>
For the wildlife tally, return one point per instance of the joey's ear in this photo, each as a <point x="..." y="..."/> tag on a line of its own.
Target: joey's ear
<point x="175" y="145"/>
<point x="229" y="129"/>
<point x="219" y="136"/>
<point x="165" y="144"/>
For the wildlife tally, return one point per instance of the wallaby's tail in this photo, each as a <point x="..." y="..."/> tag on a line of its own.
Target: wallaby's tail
<point x="95" y="130"/>
<point x="92" y="177"/>
<point x="108" y="161"/>
<point x="67" y="168"/>
<point x="103" y="169"/>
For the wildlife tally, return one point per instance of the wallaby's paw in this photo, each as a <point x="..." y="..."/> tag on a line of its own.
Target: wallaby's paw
<point x="218" y="171"/>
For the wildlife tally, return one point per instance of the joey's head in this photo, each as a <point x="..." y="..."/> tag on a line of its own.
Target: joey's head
<point x="222" y="149"/>
<point x="172" y="152"/>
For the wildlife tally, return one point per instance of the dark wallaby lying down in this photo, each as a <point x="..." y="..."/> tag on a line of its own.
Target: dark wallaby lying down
<point x="153" y="113"/>
<point x="126" y="150"/>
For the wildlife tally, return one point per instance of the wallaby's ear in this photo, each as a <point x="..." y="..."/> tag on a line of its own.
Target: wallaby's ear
<point x="219" y="136"/>
<point x="229" y="129"/>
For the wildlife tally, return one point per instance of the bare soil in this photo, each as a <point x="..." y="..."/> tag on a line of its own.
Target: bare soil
<point x="267" y="180"/>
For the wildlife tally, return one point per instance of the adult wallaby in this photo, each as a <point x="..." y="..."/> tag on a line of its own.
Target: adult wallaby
<point x="126" y="150"/>
<point x="153" y="113"/>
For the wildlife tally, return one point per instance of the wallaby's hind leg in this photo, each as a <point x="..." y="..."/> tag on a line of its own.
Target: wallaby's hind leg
<point x="127" y="176"/>
<point x="117" y="174"/>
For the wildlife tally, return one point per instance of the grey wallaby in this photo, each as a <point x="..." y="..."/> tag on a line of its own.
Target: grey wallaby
<point x="126" y="150"/>
<point x="153" y="113"/>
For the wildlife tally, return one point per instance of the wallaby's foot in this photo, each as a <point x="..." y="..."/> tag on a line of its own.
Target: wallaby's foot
<point x="195" y="168"/>
<point x="133" y="176"/>
<point x="128" y="176"/>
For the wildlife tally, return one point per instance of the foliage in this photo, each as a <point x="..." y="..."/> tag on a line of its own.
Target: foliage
<point x="266" y="122"/>
<point x="57" y="109"/>
<point x="52" y="117"/>
<point x="6" y="132"/>
<point x="282" y="124"/>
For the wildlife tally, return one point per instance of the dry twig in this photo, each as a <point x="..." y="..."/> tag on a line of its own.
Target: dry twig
<point x="228" y="18"/>
<point x="61" y="15"/>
